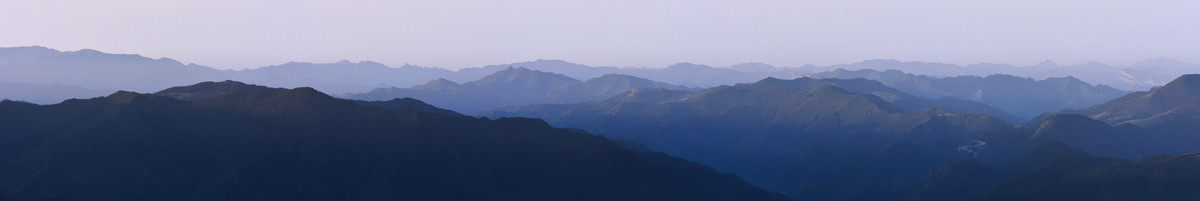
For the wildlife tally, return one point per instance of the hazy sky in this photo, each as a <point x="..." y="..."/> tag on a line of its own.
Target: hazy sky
<point x="456" y="34"/>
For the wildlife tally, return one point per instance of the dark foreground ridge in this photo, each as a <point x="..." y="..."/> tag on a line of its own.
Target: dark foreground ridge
<point x="300" y="144"/>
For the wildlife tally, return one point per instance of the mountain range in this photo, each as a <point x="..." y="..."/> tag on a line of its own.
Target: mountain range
<point x="514" y="87"/>
<point x="801" y="137"/>
<point x="809" y="139"/>
<point x="1023" y="97"/>
<point x="98" y="71"/>
<point x="872" y="130"/>
<point x="232" y="141"/>
<point x="820" y="139"/>
<point x="1150" y="107"/>
<point x="1137" y="76"/>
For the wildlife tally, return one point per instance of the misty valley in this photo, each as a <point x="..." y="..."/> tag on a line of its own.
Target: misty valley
<point x="88" y="125"/>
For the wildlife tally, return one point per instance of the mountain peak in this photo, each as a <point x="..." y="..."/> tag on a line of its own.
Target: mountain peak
<point x="1186" y="80"/>
<point x="556" y="61"/>
<point x="29" y="48"/>
<point x="87" y="51"/>
<point x="612" y="84"/>
<point x="1179" y="90"/>
<point x="441" y="81"/>
<point x="688" y="66"/>
<point x="523" y="76"/>
<point x="122" y="94"/>
<point x="1047" y="63"/>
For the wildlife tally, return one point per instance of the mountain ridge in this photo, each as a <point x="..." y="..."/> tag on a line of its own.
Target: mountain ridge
<point x="514" y="86"/>
<point x="301" y="144"/>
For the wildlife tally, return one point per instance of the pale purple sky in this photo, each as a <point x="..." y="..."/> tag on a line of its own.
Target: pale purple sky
<point x="456" y="34"/>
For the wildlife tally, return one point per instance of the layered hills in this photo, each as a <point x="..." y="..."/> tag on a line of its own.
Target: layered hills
<point x="1023" y="97"/>
<point x="855" y="132"/>
<point x="514" y="87"/>
<point x="108" y="72"/>
<point x="833" y="139"/>
<point x="803" y="137"/>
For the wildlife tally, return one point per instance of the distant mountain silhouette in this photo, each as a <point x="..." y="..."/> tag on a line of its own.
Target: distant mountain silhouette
<point x="340" y="77"/>
<point x="93" y="69"/>
<point x="685" y="74"/>
<point x="47" y="93"/>
<point x="18" y="54"/>
<point x="755" y="67"/>
<point x="513" y="87"/>
<point x="97" y="70"/>
<point x="300" y="144"/>
<point x="573" y="70"/>
<point x="808" y="138"/>
<point x="689" y="74"/>
<point x="1138" y="76"/>
<point x="1023" y="97"/>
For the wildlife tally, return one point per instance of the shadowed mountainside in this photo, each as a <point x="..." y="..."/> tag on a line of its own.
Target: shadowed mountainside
<point x="829" y="140"/>
<point x="1143" y="107"/>
<point x="807" y="138"/>
<point x="301" y="144"/>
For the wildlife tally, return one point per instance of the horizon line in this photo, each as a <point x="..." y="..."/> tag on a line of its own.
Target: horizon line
<point x="780" y="67"/>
